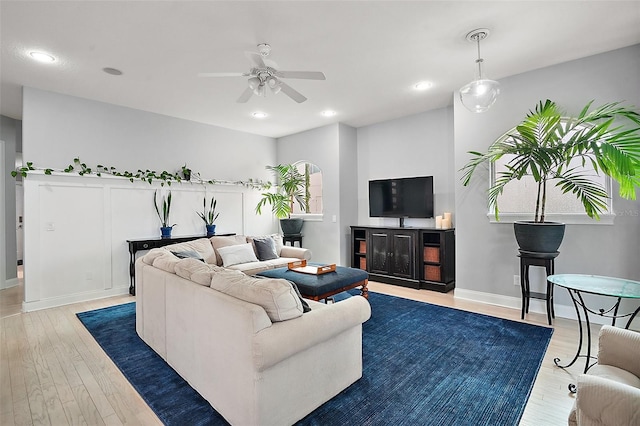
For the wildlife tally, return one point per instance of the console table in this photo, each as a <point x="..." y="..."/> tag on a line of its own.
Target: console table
<point x="576" y="285"/>
<point x="150" y="243"/>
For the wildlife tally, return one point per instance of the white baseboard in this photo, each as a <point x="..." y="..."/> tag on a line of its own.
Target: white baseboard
<point x="535" y="305"/>
<point x="73" y="298"/>
<point x="9" y="283"/>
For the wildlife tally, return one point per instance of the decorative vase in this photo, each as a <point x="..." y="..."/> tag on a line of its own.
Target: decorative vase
<point x="211" y="230"/>
<point x="291" y="226"/>
<point x="539" y="237"/>
<point x="166" y="231"/>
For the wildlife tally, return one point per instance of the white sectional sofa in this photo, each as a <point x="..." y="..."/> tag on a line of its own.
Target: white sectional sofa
<point x="243" y="342"/>
<point x="210" y="249"/>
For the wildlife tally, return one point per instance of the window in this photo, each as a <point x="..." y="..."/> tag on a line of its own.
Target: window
<point x="312" y="189"/>
<point x="518" y="198"/>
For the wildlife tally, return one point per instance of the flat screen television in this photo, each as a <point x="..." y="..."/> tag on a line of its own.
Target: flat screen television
<point x="402" y="197"/>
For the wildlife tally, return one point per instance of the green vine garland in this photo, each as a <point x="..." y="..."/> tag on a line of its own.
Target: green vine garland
<point x="144" y="175"/>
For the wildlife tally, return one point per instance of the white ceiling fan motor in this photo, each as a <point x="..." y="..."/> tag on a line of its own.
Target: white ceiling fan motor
<point x="264" y="49"/>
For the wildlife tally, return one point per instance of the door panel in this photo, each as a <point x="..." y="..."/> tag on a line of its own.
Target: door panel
<point x="379" y="253"/>
<point x="403" y="263"/>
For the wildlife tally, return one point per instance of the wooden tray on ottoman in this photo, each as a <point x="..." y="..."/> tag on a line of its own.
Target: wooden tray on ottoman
<point x="301" y="266"/>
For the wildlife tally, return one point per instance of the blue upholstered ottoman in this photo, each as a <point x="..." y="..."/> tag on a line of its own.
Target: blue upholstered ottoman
<point x="319" y="287"/>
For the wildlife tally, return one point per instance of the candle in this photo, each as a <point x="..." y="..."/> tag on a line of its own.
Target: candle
<point x="446" y="223"/>
<point x="447" y="216"/>
<point x="438" y="222"/>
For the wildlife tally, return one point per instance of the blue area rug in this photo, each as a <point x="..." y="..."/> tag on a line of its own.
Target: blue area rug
<point x="423" y="365"/>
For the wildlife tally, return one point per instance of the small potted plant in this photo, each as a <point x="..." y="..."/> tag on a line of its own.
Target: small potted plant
<point x="289" y="189"/>
<point x="209" y="215"/>
<point x="186" y="173"/>
<point x="165" y="229"/>
<point x="543" y="146"/>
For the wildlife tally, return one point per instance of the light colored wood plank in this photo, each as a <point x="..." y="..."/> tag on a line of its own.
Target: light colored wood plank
<point x="73" y="413"/>
<point x="88" y="409"/>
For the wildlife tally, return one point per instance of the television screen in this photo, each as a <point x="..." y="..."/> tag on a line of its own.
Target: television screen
<point x="403" y="197"/>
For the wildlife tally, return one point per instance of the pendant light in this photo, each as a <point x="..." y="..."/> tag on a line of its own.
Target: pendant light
<point x="480" y="94"/>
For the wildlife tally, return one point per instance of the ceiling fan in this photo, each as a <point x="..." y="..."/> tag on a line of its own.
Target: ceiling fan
<point x="263" y="76"/>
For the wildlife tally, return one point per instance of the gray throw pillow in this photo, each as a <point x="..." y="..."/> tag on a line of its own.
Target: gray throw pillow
<point x="265" y="248"/>
<point x="188" y="254"/>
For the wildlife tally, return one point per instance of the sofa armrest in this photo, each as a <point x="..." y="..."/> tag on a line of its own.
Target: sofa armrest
<point x="286" y="338"/>
<point x="601" y="401"/>
<point x="620" y="348"/>
<point x="297" y="252"/>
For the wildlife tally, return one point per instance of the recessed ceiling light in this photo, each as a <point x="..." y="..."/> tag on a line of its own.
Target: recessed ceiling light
<point x="423" y="85"/>
<point x="329" y="113"/>
<point x="259" y="114"/>
<point x="112" y="71"/>
<point x="42" y="57"/>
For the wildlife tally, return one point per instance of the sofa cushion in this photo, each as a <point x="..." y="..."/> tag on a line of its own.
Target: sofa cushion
<point x="277" y="240"/>
<point x="166" y="261"/>
<point x="152" y="255"/>
<point x="616" y="374"/>
<point x="202" y="246"/>
<point x="265" y="248"/>
<point x="276" y="296"/>
<point x="196" y="271"/>
<point x="220" y="241"/>
<point x="236" y="254"/>
<point x="251" y="268"/>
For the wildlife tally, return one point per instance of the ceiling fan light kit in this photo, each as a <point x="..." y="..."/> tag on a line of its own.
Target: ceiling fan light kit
<point x="480" y="94"/>
<point x="262" y="76"/>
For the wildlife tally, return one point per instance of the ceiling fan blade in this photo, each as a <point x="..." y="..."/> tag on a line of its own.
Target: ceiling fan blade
<point x="292" y="93"/>
<point x="245" y="95"/>
<point x="308" y="75"/>
<point x="223" y="74"/>
<point x="256" y="59"/>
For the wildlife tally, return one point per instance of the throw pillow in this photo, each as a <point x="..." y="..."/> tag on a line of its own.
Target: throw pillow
<point x="305" y="306"/>
<point x="218" y="242"/>
<point x="237" y="254"/>
<point x="186" y="254"/>
<point x="265" y="248"/>
<point x="277" y="238"/>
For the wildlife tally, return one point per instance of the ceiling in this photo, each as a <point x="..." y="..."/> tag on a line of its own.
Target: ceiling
<point x="372" y="53"/>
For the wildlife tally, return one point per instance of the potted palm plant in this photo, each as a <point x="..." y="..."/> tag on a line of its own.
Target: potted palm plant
<point x="165" y="229"/>
<point x="544" y="145"/>
<point x="209" y="215"/>
<point x="289" y="189"/>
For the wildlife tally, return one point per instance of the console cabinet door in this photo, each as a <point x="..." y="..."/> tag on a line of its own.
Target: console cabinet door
<point x="380" y="248"/>
<point x="402" y="255"/>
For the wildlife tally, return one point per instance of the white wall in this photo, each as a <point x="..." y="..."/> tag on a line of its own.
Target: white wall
<point x="348" y="216"/>
<point x="321" y="147"/>
<point x="486" y="253"/>
<point x="416" y="145"/>
<point x="76" y="227"/>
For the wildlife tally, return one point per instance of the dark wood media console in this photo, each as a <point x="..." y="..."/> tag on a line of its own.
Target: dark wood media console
<point x="421" y="258"/>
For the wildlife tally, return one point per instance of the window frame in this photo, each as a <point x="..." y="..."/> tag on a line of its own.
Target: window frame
<point x="581" y="218"/>
<point x="310" y="217"/>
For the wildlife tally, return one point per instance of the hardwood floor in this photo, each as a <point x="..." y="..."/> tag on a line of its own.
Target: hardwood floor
<point x="52" y="372"/>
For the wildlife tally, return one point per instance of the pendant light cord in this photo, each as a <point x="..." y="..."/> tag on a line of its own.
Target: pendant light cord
<point x="479" y="60"/>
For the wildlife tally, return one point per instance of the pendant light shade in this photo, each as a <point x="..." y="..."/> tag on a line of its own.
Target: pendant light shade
<point x="480" y="94"/>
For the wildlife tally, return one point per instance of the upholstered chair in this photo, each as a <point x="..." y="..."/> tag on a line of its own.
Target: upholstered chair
<point x="609" y="394"/>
